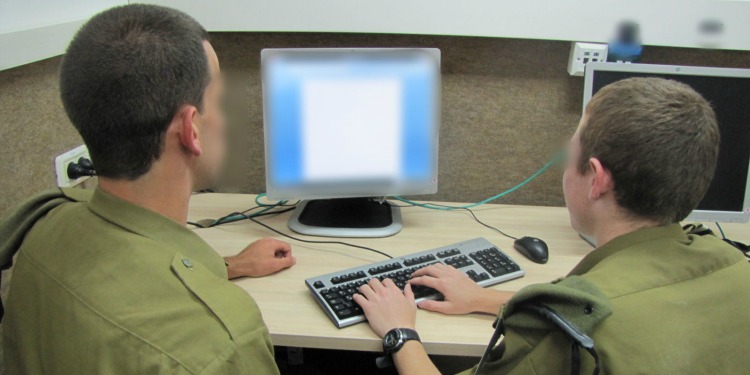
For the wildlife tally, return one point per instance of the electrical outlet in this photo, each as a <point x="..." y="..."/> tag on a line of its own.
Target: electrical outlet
<point x="61" y="166"/>
<point x="584" y="53"/>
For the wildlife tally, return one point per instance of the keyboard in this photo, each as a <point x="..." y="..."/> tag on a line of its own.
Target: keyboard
<point x="482" y="261"/>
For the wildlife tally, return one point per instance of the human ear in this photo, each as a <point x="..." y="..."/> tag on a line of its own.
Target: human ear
<point x="601" y="179"/>
<point x="188" y="130"/>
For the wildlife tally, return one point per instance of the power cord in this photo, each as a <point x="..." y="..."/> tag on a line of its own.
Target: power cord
<point x="84" y="167"/>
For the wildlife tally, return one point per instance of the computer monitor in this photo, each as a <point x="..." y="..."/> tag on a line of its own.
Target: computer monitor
<point x="728" y="91"/>
<point x="345" y="128"/>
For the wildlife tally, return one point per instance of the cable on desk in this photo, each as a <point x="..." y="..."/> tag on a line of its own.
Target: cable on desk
<point x="277" y="204"/>
<point x="238" y="216"/>
<point x="489" y="226"/>
<point x="264" y="213"/>
<point x="317" y="242"/>
<point x="477" y="220"/>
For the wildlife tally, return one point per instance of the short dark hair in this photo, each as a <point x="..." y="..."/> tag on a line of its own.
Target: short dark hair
<point x="124" y="76"/>
<point x="659" y="139"/>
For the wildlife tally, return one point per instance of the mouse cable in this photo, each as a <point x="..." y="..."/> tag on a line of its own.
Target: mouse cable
<point x="475" y="218"/>
<point x="556" y="159"/>
<point x="489" y="226"/>
<point x="252" y="218"/>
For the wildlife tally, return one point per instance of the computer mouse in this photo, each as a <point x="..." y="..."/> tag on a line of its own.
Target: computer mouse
<point x="533" y="248"/>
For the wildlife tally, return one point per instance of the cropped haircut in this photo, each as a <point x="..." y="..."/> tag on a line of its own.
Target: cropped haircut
<point x="659" y="139"/>
<point x="123" y="78"/>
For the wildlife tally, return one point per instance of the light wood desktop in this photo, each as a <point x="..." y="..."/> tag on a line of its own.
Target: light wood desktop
<point x="295" y="319"/>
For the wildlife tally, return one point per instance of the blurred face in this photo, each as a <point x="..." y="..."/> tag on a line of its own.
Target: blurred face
<point x="576" y="186"/>
<point x="211" y="124"/>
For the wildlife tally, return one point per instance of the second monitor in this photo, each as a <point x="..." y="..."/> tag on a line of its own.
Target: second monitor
<point x="346" y="126"/>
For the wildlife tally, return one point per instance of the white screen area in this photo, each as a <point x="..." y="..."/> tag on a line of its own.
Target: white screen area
<point x="351" y="128"/>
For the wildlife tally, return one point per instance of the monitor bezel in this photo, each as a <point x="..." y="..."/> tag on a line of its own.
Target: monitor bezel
<point x="591" y="70"/>
<point x="267" y="53"/>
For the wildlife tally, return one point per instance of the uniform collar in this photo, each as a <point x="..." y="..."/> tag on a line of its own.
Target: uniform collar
<point x="152" y="225"/>
<point x="640" y="236"/>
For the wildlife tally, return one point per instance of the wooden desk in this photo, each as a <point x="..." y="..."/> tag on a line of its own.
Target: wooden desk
<point x="295" y="319"/>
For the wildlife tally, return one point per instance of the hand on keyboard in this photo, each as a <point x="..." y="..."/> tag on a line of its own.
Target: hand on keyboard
<point x="386" y="307"/>
<point x="482" y="263"/>
<point x="462" y="295"/>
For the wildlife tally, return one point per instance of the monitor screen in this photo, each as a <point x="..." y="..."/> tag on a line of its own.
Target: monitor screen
<point x="728" y="91"/>
<point x="350" y="122"/>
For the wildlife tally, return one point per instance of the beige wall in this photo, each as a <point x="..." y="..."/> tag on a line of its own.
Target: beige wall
<point x="507" y="106"/>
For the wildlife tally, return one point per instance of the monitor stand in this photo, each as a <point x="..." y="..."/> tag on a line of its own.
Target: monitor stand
<point x="346" y="217"/>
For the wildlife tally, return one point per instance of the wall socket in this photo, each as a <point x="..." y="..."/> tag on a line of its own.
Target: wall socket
<point x="584" y="53"/>
<point x="61" y="166"/>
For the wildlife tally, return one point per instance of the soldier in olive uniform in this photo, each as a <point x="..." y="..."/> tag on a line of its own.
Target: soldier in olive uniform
<point x="112" y="281"/>
<point x="650" y="299"/>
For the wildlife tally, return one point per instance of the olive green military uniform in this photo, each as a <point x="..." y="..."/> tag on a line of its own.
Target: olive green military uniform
<point x="107" y="287"/>
<point x="655" y="301"/>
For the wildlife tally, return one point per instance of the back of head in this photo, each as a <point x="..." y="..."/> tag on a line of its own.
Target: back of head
<point x="123" y="78"/>
<point x="659" y="139"/>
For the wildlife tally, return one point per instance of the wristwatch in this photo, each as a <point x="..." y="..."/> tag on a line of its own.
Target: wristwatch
<point x="395" y="339"/>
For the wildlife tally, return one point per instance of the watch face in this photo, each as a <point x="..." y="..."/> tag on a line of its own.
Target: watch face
<point x="391" y="339"/>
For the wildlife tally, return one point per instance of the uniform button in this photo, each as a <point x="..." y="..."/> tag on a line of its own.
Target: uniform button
<point x="187" y="262"/>
<point x="588" y="310"/>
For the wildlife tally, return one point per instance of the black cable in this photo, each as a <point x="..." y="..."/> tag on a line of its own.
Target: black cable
<point x="223" y="220"/>
<point x="475" y="218"/>
<point x="489" y="226"/>
<point x="243" y="216"/>
<point x="290" y="208"/>
<point x="738" y="245"/>
<point x="252" y="218"/>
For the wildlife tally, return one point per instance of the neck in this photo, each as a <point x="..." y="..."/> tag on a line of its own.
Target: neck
<point x="167" y="194"/>
<point x="609" y="230"/>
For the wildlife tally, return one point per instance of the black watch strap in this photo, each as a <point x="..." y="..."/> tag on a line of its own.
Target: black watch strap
<point x="395" y="339"/>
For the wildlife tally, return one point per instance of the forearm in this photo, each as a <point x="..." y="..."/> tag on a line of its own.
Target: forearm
<point x="412" y="359"/>
<point x="490" y="301"/>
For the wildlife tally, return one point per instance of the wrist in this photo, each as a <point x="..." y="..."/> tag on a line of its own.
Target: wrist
<point x="490" y="301"/>
<point x="395" y="339"/>
<point x="233" y="271"/>
<point x="407" y="350"/>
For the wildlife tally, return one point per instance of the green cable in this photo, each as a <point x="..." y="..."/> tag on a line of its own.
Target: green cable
<point x="261" y="195"/>
<point x="536" y="174"/>
<point x="559" y="157"/>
